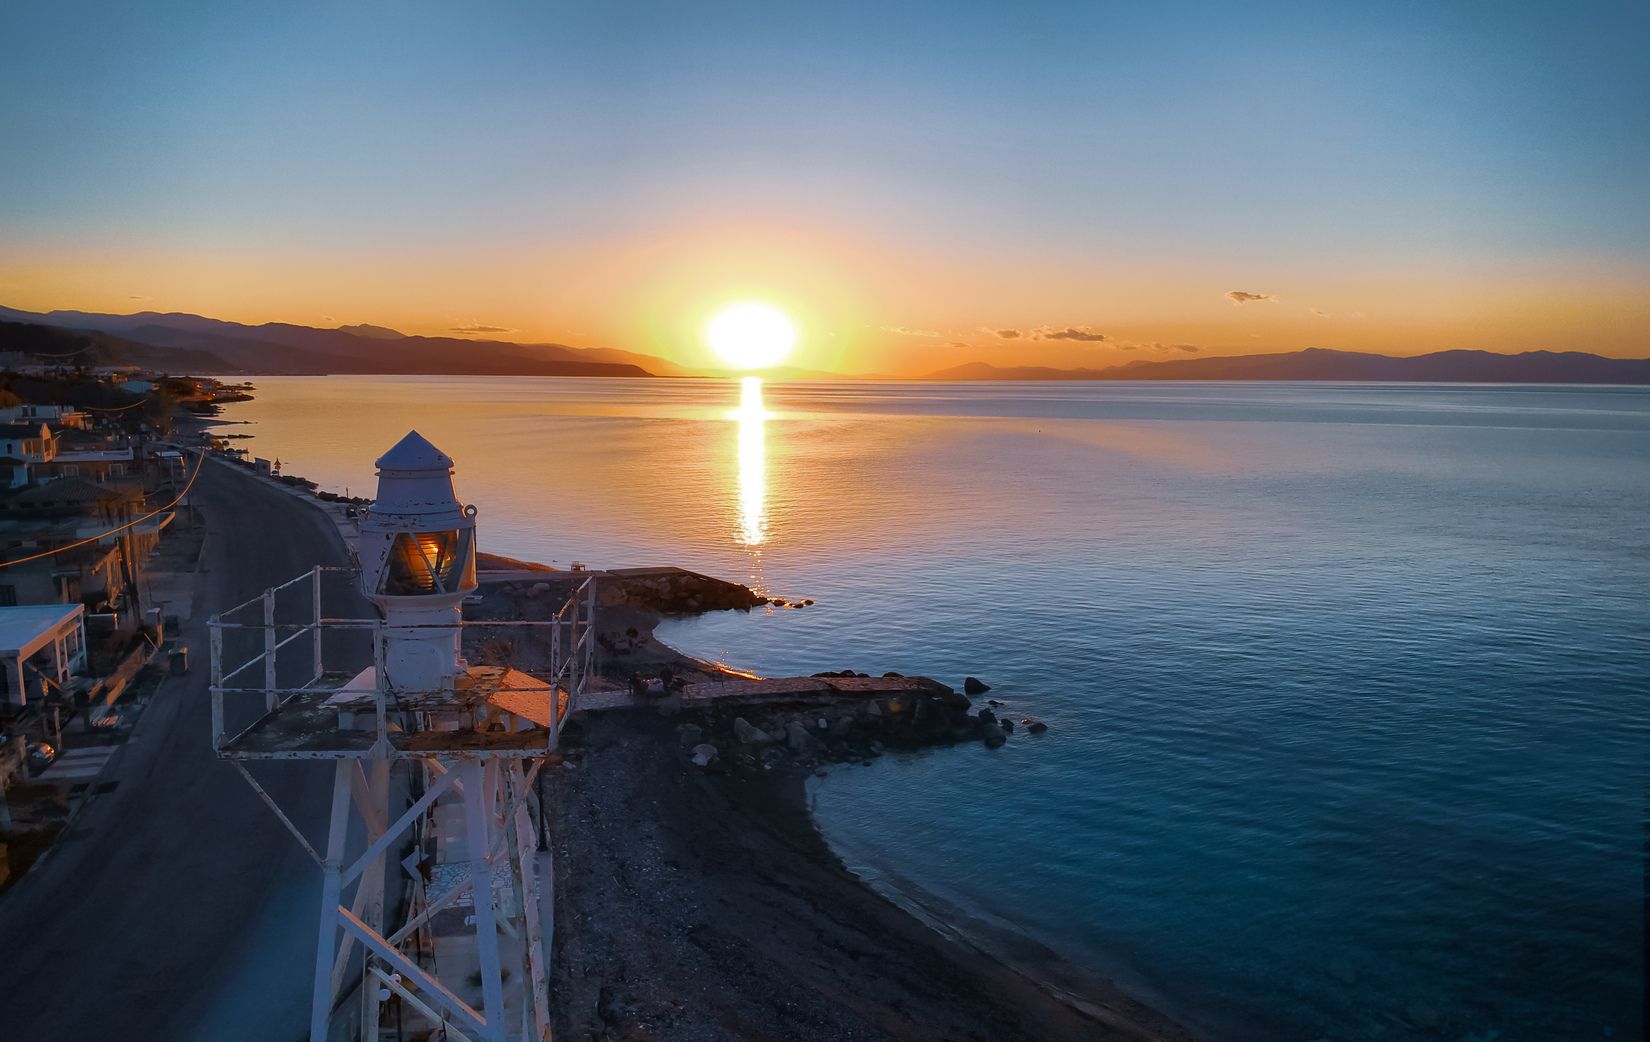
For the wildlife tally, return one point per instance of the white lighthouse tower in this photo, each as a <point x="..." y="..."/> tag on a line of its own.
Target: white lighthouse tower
<point x="418" y="563"/>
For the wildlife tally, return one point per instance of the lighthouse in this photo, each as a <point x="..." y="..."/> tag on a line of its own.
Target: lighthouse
<point x="474" y="739"/>
<point x="418" y="563"/>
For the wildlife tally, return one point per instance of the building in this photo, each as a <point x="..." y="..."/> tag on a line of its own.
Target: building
<point x="58" y="515"/>
<point x="60" y="415"/>
<point x="32" y="442"/>
<point x="41" y="647"/>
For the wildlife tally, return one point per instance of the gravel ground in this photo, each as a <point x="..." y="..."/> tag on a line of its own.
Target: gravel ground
<point x="707" y="907"/>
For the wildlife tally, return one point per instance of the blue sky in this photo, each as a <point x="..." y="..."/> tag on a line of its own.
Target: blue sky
<point x="1470" y="141"/>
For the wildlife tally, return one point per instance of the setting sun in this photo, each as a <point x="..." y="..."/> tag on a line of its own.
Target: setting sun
<point x="751" y="336"/>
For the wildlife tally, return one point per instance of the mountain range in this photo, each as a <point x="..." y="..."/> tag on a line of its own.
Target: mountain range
<point x="192" y="343"/>
<point x="1316" y="363"/>
<point x="186" y="343"/>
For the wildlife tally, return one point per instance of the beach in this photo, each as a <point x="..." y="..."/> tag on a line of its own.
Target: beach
<point x="699" y="906"/>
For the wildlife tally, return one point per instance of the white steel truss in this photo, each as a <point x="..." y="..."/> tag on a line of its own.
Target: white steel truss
<point x="408" y="767"/>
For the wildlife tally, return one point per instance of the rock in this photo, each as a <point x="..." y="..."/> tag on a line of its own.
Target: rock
<point x="820" y="772"/>
<point x="1006" y="725"/>
<point x="704" y="754"/>
<point x="690" y="734"/>
<point x="975" y="686"/>
<point x="748" y="733"/>
<point x="1036" y="727"/>
<point x="993" y="703"/>
<point x="841" y="726"/>
<point x="986" y="716"/>
<point x="872" y="708"/>
<point x="993" y="736"/>
<point x="822" y="723"/>
<point x="876" y="747"/>
<point x="801" y="742"/>
<point x="538" y="589"/>
<point x="807" y="602"/>
<point x="891" y="675"/>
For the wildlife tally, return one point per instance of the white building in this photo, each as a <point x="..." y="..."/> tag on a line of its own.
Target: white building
<point x="62" y="415"/>
<point x="39" y="643"/>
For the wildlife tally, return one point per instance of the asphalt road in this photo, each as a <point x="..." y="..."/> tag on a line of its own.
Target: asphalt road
<point x="178" y="907"/>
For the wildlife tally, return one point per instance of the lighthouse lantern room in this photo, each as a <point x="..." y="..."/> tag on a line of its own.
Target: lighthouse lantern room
<point x="418" y="563"/>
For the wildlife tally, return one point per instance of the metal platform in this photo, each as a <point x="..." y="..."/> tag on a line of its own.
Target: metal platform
<point x="328" y="713"/>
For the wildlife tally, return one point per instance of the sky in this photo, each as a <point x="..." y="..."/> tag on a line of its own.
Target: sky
<point x="918" y="185"/>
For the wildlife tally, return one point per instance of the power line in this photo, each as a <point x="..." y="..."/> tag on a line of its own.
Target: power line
<point x="199" y="459"/>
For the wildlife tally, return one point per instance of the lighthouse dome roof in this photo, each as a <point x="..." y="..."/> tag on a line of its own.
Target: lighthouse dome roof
<point x="414" y="452"/>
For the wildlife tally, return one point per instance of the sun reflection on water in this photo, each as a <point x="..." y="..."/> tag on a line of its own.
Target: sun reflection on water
<point x="753" y="463"/>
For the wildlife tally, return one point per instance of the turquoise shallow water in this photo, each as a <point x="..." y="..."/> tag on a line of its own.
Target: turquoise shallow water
<point x="1348" y="686"/>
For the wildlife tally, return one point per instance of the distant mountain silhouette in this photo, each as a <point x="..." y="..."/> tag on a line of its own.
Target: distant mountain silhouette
<point x="1316" y="363"/>
<point x="70" y="347"/>
<point x="382" y="332"/>
<point x="283" y="348"/>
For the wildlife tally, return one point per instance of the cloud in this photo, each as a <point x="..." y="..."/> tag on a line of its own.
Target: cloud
<point x="958" y="343"/>
<point x="138" y="296"/>
<point x="1238" y="296"/>
<point x="908" y="331"/>
<point x="1320" y="314"/>
<point x="328" y="319"/>
<point x="473" y="329"/>
<point x="1079" y="333"/>
<point x="1002" y="334"/>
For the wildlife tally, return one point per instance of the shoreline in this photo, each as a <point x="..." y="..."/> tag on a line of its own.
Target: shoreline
<point x="753" y="848"/>
<point x="690" y="929"/>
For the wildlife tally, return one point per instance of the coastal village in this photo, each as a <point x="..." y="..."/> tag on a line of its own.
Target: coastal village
<point x="96" y="529"/>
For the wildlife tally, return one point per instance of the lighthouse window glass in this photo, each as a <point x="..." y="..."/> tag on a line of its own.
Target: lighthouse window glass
<point x="425" y="562"/>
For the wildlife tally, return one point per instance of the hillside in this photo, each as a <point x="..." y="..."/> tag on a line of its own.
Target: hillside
<point x="1349" y="366"/>
<point x="283" y="348"/>
<point x="71" y="347"/>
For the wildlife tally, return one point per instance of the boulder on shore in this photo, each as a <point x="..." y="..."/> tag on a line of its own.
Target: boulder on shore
<point x="704" y="755"/>
<point x="800" y="741"/>
<point x="975" y="686"/>
<point x="992" y="735"/>
<point x="748" y="733"/>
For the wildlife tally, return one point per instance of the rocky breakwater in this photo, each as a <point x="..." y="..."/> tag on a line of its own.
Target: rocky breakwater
<point x="810" y="722"/>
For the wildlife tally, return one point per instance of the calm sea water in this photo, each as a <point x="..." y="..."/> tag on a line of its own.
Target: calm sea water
<point x="1348" y="686"/>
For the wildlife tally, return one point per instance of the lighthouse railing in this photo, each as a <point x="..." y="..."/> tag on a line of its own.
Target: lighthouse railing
<point x="255" y="632"/>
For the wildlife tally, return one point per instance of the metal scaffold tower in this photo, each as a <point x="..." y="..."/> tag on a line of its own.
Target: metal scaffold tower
<point x="438" y="764"/>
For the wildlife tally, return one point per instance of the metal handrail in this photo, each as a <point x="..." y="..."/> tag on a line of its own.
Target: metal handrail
<point x="567" y="672"/>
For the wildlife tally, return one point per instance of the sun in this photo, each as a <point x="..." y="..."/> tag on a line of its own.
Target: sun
<point x="751" y="335"/>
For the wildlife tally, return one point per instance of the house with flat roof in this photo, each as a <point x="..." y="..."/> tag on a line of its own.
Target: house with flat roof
<point x="62" y="415"/>
<point x="41" y="647"/>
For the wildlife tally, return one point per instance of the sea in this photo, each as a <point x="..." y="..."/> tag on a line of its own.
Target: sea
<point x="1347" y="686"/>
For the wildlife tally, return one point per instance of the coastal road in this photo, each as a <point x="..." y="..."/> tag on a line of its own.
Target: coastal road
<point x="177" y="907"/>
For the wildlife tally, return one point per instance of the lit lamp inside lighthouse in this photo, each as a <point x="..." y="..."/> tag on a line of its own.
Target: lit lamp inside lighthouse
<point x="418" y="563"/>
